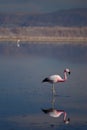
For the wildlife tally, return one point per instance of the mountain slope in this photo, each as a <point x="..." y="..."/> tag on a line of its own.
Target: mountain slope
<point x="72" y="17"/>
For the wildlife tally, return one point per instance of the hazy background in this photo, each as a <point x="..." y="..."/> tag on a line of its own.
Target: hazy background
<point x="41" y="6"/>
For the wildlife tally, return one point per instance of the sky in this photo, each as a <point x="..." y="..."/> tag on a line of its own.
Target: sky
<point x="40" y="6"/>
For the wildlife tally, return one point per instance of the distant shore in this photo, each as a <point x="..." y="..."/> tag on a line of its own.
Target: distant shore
<point x="43" y="39"/>
<point x="44" y="34"/>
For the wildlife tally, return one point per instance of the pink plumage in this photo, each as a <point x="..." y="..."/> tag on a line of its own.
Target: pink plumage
<point x="56" y="113"/>
<point x="57" y="78"/>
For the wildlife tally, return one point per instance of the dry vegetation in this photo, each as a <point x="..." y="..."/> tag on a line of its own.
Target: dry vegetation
<point x="43" y="34"/>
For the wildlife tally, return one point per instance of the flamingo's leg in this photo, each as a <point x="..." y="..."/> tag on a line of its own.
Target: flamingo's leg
<point x="53" y="101"/>
<point x="53" y="89"/>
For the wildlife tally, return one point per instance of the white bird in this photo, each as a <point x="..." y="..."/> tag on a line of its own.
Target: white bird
<point x="18" y="45"/>
<point x="57" y="113"/>
<point x="56" y="78"/>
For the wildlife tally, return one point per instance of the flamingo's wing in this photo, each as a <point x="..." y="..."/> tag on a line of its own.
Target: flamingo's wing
<point x="55" y="78"/>
<point x="55" y="113"/>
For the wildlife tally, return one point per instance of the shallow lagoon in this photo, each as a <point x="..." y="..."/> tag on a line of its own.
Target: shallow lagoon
<point x="22" y="95"/>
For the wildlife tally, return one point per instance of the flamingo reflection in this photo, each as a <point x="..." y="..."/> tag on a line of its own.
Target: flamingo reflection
<point x="52" y="112"/>
<point x="57" y="113"/>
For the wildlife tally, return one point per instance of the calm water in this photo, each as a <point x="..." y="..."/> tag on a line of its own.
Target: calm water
<point x="23" y="96"/>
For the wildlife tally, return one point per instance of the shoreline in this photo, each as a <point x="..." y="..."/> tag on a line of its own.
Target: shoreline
<point x="44" y="34"/>
<point x="43" y="39"/>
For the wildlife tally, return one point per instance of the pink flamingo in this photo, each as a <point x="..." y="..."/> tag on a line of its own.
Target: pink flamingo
<point x="56" y="78"/>
<point x="57" y="113"/>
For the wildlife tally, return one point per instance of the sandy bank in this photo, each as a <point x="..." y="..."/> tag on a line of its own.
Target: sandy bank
<point x="44" y="39"/>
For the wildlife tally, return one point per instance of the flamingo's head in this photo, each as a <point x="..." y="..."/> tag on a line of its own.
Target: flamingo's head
<point x="67" y="121"/>
<point x="67" y="70"/>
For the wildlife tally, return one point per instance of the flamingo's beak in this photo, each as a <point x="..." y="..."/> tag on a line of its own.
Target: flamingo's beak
<point x="67" y="121"/>
<point x="69" y="72"/>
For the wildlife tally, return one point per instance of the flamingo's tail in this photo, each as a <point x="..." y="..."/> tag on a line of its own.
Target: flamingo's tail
<point x="45" y="80"/>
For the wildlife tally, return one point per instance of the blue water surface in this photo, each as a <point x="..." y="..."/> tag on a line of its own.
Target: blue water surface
<point x="23" y="96"/>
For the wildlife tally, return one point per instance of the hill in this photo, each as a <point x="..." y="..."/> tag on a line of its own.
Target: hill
<point x="71" y="17"/>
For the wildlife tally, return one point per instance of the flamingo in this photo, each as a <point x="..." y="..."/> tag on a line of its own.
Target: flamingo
<point x="56" y="79"/>
<point x="57" y="113"/>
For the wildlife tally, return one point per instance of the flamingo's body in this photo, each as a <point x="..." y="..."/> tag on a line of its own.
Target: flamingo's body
<point x="56" y="78"/>
<point x="56" y="113"/>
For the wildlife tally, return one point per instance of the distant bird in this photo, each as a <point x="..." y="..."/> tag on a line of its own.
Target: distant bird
<point x="56" y="79"/>
<point x="18" y="45"/>
<point x="57" y="113"/>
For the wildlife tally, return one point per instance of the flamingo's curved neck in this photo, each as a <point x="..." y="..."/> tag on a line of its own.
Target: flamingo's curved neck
<point x="64" y="116"/>
<point x="65" y="76"/>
